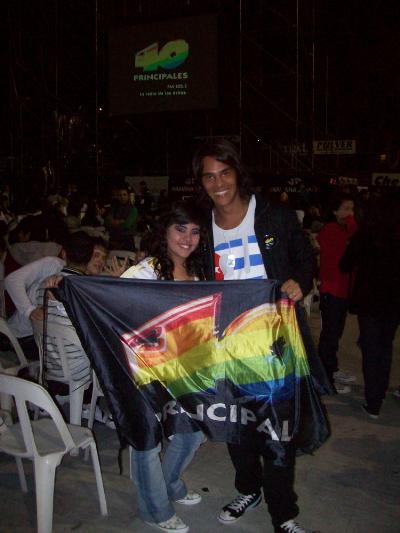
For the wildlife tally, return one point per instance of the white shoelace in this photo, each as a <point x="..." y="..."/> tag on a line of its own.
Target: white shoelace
<point x="240" y="502"/>
<point x="293" y="527"/>
<point x="174" y="523"/>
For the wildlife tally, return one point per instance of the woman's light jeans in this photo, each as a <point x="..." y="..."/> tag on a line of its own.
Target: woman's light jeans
<point x="157" y="481"/>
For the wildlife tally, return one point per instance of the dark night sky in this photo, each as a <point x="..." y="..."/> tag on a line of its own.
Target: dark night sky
<point x="45" y="41"/>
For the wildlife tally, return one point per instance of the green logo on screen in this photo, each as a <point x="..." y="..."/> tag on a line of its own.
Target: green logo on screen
<point x="171" y="56"/>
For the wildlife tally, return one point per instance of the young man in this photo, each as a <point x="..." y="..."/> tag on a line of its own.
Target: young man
<point x="248" y="239"/>
<point x="22" y="284"/>
<point x="121" y="221"/>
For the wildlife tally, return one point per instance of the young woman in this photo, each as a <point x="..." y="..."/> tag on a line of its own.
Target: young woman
<point x="174" y="256"/>
<point x="333" y="240"/>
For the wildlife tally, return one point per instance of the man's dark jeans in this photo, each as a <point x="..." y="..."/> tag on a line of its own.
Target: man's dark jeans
<point x="274" y="472"/>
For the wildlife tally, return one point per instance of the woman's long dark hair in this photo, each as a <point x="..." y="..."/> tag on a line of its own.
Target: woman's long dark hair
<point x="180" y="213"/>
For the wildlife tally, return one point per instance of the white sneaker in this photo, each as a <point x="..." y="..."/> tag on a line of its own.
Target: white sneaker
<point x="293" y="527"/>
<point x="173" y="525"/>
<point x="396" y="393"/>
<point x="191" y="498"/>
<point x="342" y="389"/>
<point x="342" y="377"/>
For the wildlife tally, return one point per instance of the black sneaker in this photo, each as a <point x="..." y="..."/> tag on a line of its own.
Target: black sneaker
<point x="236" y="509"/>
<point x="293" y="527"/>
<point x="372" y="413"/>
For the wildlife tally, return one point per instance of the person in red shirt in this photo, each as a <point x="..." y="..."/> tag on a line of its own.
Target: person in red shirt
<point x="333" y="239"/>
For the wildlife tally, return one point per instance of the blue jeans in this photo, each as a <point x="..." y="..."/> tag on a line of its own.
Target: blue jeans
<point x="157" y="482"/>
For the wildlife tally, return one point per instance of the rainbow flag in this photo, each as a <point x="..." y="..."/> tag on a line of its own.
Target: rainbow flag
<point x="224" y="357"/>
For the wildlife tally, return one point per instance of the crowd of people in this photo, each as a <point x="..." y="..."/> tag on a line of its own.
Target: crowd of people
<point x="347" y="254"/>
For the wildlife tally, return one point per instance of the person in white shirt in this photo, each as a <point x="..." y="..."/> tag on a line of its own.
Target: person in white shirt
<point x="22" y="285"/>
<point x="175" y="256"/>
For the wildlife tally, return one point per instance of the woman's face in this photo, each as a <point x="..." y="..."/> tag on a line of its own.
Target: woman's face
<point x="346" y="209"/>
<point x="182" y="240"/>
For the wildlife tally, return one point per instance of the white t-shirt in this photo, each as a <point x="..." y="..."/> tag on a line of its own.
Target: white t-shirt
<point x="144" y="270"/>
<point x="236" y="251"/>
<point x="22" y="285"/>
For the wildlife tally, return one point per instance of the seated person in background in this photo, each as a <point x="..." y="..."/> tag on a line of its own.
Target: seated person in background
<point x="78" y="254"/>
<point x="121" y="221"/>
<point x="92" y="217"/>
<point x="73" y="218"/>
<point x="22" y="286"/>
<point x="28" y="242"/>
<point x="84" y="255"/>
<point x="93" y="222"/>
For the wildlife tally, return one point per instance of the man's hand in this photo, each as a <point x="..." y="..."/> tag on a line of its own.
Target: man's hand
<point x="116" y="268"/>
<point x="52" y="282"/>
<point x="292" y="289"/>
<point x="37" y="314"/>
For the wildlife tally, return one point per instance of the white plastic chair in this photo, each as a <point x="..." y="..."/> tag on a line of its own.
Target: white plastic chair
<point x="96" y="394"/>
<point x="15" y="358"/>
<point x="45" y="442"/>
<point x="64" y="336"/>
<point x="12" y="361"/>
<point x="2" y="298"/>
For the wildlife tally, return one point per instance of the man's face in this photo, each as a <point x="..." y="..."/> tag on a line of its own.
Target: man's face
<point x="123" y="196"/>
<point x="97" y="262"/>
<point x="220" y="182"/>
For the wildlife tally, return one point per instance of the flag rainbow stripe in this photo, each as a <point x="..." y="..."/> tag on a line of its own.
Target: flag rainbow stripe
<point x="187" y="356"/>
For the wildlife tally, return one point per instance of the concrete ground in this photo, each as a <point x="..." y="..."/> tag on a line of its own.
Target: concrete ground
<point x="350" y="485"/>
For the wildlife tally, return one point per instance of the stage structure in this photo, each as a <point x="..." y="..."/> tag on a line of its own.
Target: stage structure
<point x="95" y="86"/>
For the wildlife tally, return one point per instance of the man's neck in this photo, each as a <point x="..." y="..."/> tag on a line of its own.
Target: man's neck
<point x="230" y="216"/>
